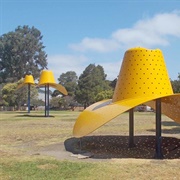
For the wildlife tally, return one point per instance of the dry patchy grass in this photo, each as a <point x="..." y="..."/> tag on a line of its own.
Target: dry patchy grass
<point x="20" y="134"/>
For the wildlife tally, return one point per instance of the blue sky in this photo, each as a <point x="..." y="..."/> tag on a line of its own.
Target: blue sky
<point x="77" y="33"/>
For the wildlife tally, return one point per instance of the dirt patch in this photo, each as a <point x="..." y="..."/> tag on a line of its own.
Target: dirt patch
<point x="108" y="147"/>
<point x="112" y="147"/>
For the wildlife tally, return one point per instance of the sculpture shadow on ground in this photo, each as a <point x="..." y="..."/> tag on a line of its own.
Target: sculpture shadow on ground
<point x="108" y="147"/>
<point x="33" y="115"/>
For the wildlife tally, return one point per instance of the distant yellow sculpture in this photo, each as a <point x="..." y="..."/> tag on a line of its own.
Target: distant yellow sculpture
<point x="28" y="80"/>
<point x="47" y="80"/>
<point x="143" y="79"/>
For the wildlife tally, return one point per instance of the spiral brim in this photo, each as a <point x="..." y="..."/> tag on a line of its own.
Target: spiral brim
<point x="102" y="112"/>
<point x="23" y="84"/>
<point x="60" y="88"/>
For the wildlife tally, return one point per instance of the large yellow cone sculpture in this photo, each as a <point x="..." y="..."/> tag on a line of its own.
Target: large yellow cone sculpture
<point x="28" y="80"/>
<point x="143" y="78"/>
<point x="47" y="80"/>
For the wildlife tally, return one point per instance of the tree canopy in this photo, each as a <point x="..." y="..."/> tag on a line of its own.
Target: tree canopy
<point x="21" y="52"/>
<point x="91" y="82"/>
<point x="107" y="94"/>
<point x="69" y="81"/>
<point x="176" y="84"/>
<point x="13" y="97"/>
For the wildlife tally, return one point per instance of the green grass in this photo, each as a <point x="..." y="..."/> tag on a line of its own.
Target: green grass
<point x="37" y="115"/>
<point x="46" y="169"/>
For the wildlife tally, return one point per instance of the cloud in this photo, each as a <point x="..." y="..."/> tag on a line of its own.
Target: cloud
<point x="149" y="32"/>
<point x="95" y="44"/>
<point x="162" y="24"/>
<point x="62" y="63"/>
<point x="111" y="69"/>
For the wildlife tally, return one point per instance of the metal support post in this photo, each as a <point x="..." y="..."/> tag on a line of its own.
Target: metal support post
<point x="131" y="128"/>
<point x="29" y="103"/>
<point x="45" y="101"/>
<point x="158" y="154"/>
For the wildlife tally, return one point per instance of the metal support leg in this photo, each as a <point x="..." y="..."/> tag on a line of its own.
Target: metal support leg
<point x="45" y="110"/>
<point x="80" y="144"/>
<point x="158" y="154"/>
<point x="131" y="128"/>
<point x="29" y="103"/>
<point x="47" y="100"/>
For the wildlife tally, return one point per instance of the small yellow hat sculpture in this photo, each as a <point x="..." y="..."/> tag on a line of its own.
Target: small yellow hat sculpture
<point x="28" y="80"/>
<point x="47" y="80"/>
<point x="143" y="78"/>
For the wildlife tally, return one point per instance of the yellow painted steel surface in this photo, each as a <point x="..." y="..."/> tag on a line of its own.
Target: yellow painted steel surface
<point x="143" y="73"/>
<point x="47" y="78"/>
<point x="60" y="88"/>
<point x="142" y="79"/>
<point x="27" y="80"/>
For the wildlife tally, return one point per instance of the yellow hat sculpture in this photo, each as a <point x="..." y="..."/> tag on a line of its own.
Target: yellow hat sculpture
<point x="143" y="78"/>
<point x="47" y="80"/>
<point x="28" y="80"/>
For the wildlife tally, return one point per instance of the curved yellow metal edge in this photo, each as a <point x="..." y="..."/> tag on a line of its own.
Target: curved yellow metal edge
<point x="96" y="115"/>
<point x="60" y="88"/>
<point x="23" y="84"/>
<point x="170" y="106"/>
<point x="20" y="86"/>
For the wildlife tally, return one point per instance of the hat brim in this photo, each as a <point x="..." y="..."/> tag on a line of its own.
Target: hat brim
<point x="102" y="112"/>
<point x="59" y="87"/>
<point x="23" y="84"/>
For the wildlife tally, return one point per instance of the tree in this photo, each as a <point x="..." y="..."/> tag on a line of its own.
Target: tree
<point x="55" y="93"/>
<point x="176" y="85"/>
<point x="58" y="103"/>
<point x="1" y="99"/>
<point x="8" y="94"/>
<point x="11" y="97"/>
<point x="90" y="83"/>
<point x="55" y="102"/>
<point x="107" y="94"/>
<point x="21" y="52"/>
<point x="113" y="83"/>
<point x="69" y="81"/>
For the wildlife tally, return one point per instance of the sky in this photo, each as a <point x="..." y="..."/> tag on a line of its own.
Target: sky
<point x="77" y="33"/>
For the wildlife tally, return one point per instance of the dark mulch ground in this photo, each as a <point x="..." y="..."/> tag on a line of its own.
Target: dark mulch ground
<point x="106" y="147"/>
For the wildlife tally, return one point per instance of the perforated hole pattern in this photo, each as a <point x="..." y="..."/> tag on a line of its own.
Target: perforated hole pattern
<point x="143" y="73"/>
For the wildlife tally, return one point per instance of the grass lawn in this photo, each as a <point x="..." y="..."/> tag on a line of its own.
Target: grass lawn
<point x="21" y="134"/>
